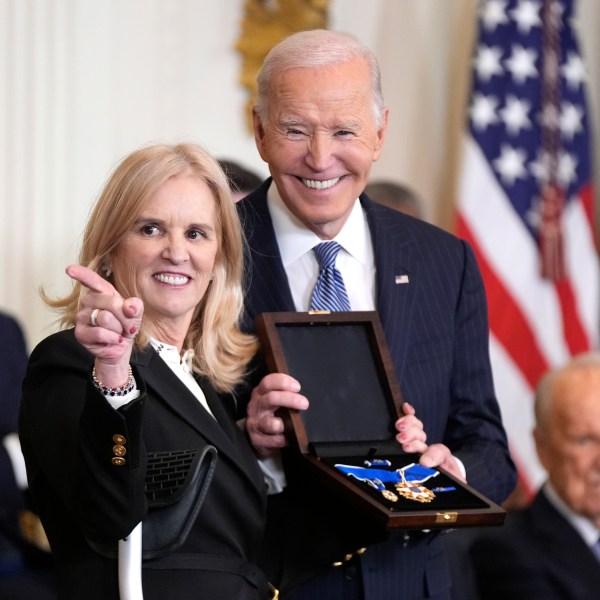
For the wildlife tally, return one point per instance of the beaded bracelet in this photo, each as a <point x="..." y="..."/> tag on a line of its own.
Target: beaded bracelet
<point x="121" y="390"/>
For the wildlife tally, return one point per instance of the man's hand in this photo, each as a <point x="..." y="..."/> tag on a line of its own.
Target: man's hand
<point x="438" y="455"/>
<point x="265" y="429"/>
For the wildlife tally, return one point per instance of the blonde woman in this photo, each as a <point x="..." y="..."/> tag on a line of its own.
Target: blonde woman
<point x="149" y="348"/>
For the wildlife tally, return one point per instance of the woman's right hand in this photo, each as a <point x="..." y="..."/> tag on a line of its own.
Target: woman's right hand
<point x="117" y="321"/>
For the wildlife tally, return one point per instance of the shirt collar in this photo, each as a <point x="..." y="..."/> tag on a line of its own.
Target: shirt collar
<point x="587" y="530"/>
<point x="170" y="354"/>
<point x="295" y="240"/>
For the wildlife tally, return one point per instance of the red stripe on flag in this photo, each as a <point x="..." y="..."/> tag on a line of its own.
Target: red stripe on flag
<point x="586" y="195"/>
<point x="507" y="322"/>
<point x="587" y="200"/>
<point x="574" y="331"/>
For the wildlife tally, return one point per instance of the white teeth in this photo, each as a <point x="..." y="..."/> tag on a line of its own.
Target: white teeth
<point x="320" y="185"/>
<point x="172" y="279"/>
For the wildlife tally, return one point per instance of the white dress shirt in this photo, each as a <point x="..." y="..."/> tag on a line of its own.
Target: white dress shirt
<point x="180" y="365"/>
<point x="355" y="260"/>
<point x="586" y="529"/>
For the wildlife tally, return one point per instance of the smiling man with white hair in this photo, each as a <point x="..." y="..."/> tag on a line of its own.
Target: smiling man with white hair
<point x="319" y="124"/>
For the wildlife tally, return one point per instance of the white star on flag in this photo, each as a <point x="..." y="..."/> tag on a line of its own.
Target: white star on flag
<point x="527" y="15"/>
<point x="522" y="63"/>
<point x="487" y="62"/>
<point x="515" y="114"/>
<point x="483" y="111"/>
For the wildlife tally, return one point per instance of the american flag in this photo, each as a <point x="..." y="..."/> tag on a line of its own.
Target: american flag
<point x="526" y="203"/>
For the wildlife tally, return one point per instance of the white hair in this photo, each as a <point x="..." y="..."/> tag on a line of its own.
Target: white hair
<point x="543" y="395"/>
<point x="315" y="48"/>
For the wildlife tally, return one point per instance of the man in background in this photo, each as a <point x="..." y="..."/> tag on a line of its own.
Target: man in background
<point x="395" y="195"/>
<point x="242" y="181"/>
<point x="26" y="569"/>
<point x="551" y="549"/>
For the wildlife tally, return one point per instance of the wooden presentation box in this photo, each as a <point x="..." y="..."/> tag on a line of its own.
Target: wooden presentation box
<point x="347" y="436"/>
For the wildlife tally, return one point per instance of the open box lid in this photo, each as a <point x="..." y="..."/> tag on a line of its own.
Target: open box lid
<point x="346" y="372"/>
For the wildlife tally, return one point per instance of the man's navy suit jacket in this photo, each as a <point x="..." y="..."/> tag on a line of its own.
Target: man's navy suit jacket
<point x="431" y="302"/>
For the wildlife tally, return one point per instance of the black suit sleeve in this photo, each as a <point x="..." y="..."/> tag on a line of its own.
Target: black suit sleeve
<point x="67" y="431"/>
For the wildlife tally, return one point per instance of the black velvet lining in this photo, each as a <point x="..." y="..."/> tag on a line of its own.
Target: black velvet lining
<point x="339" y="374"/>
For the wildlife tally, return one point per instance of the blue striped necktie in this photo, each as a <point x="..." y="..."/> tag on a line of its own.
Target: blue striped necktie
<point x="330" y="292"/>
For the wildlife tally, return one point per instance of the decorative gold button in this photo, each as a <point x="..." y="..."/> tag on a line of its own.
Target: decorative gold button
<point x="348" y="557"/>
<point x="118" y="461"/>
<point x="119" y="439"/>
<point x="361" y="551"/>
<point x="119" y="450"/>
<point x="337" y="563"/>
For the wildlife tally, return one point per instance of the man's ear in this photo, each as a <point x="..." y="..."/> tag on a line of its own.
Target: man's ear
<point x="381" y="135"/>
<point x="259" y="133"/>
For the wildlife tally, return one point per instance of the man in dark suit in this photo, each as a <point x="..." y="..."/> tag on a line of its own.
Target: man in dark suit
<point x="25" y="568"/>
<point x="320" y="123"/>
<point x="550" y="550"/>
<point x="13" y="362"/>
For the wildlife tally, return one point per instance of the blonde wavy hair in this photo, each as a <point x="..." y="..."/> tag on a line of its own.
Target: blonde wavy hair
<point x="221" y="351"/>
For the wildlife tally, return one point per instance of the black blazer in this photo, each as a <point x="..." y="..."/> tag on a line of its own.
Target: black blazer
<point x="537" y="555"/>
<point x="437" y="331"/>
<point x="67" y="430"/>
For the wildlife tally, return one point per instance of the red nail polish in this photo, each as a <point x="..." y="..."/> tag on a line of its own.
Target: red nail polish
<point x="133" y="330"/>
<point x="120" y="340"/>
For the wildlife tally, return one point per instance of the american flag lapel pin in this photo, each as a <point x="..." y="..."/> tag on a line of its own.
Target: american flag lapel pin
<point x="401" y="279"/>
